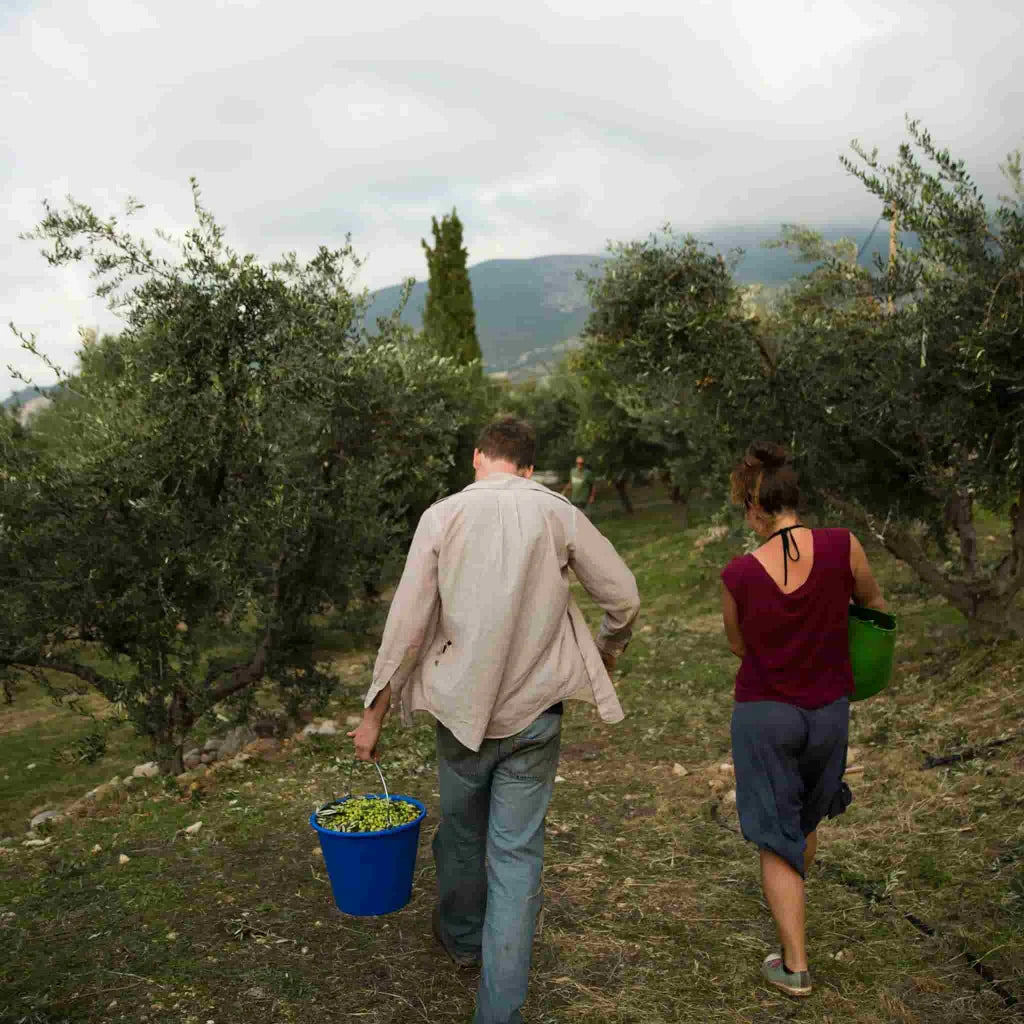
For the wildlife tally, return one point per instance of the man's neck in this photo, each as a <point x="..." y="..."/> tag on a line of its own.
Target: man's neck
<point x="492" y="468"/>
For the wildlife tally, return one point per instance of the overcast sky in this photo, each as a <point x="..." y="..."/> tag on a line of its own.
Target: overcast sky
<point x="552" y="127"/>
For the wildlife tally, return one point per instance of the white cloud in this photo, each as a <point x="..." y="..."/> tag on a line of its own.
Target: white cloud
<point x="121" y="17"/>
<point x="56" y="52"/>
<point x="361" y="114"/>
<point x="552" y="126"/>
<point x="793" y="43"/>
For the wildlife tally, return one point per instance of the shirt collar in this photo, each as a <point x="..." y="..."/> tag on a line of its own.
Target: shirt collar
<point x="504" y="480"/>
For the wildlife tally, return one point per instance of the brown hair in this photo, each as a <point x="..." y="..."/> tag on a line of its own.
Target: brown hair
<point x="511" y="439"/>
<point x="765" y="477"/>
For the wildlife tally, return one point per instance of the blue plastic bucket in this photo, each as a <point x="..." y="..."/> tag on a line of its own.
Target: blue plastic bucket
<point x="371" y="872"/>
<point x="872" y="636"/>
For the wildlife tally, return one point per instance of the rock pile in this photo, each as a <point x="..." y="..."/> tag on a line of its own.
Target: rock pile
<point x="220" y="748"/>
<point x="235" y="747"/>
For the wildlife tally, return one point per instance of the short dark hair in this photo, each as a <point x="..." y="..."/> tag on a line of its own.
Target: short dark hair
<point x="511" y="439"/>
<point x="765" y="477"/>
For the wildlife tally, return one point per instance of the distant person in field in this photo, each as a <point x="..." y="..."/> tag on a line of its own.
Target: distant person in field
<point x="582" y="486"/>
<point x="785" y="609"/>
<point x="483" y="635"/>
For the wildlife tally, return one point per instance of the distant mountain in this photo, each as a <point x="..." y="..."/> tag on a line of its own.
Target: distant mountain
<point x="777" y="266"/>
<point x="531" y="311"/>
<point x="25" y="395"/>
<point x="526" y="310"/>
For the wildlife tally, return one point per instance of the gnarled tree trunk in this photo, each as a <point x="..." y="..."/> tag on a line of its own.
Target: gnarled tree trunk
<point x="623" y="493"/>
<point x="681" y="505"/>
<point x="987" y="600"/>
<point x="960" y="516"/>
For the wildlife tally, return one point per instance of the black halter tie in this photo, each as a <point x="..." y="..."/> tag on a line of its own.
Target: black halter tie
<point x="788" y="540"/>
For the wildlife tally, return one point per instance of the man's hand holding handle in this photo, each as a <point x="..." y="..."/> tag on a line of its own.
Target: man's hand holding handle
<point x="366" y="734"/>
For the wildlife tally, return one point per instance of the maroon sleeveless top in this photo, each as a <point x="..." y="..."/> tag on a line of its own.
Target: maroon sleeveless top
<point x="797" y="645"/>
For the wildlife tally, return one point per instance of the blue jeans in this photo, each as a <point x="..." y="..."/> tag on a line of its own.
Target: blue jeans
<point x="489" y="851"/>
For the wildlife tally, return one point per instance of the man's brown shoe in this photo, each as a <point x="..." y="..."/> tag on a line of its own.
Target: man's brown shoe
<point x="462" y="960"/>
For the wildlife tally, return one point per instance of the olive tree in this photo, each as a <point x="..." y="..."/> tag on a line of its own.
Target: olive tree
<point x="241" y="458"/>
<point x="902" y="385"/>
<point x="666" y="341"/>
<point x="616" y="441"/>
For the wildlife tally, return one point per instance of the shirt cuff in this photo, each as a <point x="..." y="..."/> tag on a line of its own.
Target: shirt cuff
<point x="375" y="688"/>
<point x="608" y="644"/>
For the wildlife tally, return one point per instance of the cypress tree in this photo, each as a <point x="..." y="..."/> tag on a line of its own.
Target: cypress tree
<point x="449" y="321"/>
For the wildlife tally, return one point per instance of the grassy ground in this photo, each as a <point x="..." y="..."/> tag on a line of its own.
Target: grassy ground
<point x="40" y="756"/>
<point x="653" y="906"/>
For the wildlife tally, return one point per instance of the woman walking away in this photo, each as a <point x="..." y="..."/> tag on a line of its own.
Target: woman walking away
<point x="785" y="609"/>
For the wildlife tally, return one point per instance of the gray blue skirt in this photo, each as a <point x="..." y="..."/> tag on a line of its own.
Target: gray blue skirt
<point x="789" y="772"/>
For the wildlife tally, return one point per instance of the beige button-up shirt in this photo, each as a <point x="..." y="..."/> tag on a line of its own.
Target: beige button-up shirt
<point x="483" y="633"/>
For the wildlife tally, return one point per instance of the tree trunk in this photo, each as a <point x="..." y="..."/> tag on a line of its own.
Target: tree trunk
<point x="620" y="488"/>
<point x="170" y="758"/>
<point x="960" y="515"/>
<point x="994" y="618"/>
<point x="988" y="604"/>
<point x="170" y="742"/>
<point x="681" y="505"/>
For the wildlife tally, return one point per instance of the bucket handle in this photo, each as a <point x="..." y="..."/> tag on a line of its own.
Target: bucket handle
<point x="387" y="796"/>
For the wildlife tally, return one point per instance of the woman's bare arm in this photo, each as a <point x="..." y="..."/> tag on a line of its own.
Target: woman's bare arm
<point x="865" y="587"/>
<point x="731" y="618"/>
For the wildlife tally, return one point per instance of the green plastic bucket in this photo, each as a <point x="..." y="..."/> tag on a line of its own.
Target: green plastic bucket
<point x="872" y="648"/>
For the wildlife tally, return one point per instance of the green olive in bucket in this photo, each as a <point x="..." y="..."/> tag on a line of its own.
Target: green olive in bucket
<point x="366" y="814"/>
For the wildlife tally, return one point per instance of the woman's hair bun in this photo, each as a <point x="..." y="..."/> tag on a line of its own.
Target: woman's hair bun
<point x="768" y="454"/>
<point x="765" y="477"/>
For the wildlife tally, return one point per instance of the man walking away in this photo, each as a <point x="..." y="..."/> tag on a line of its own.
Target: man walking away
<point x="484" y="636"/>
<point x="582" y="486"/>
